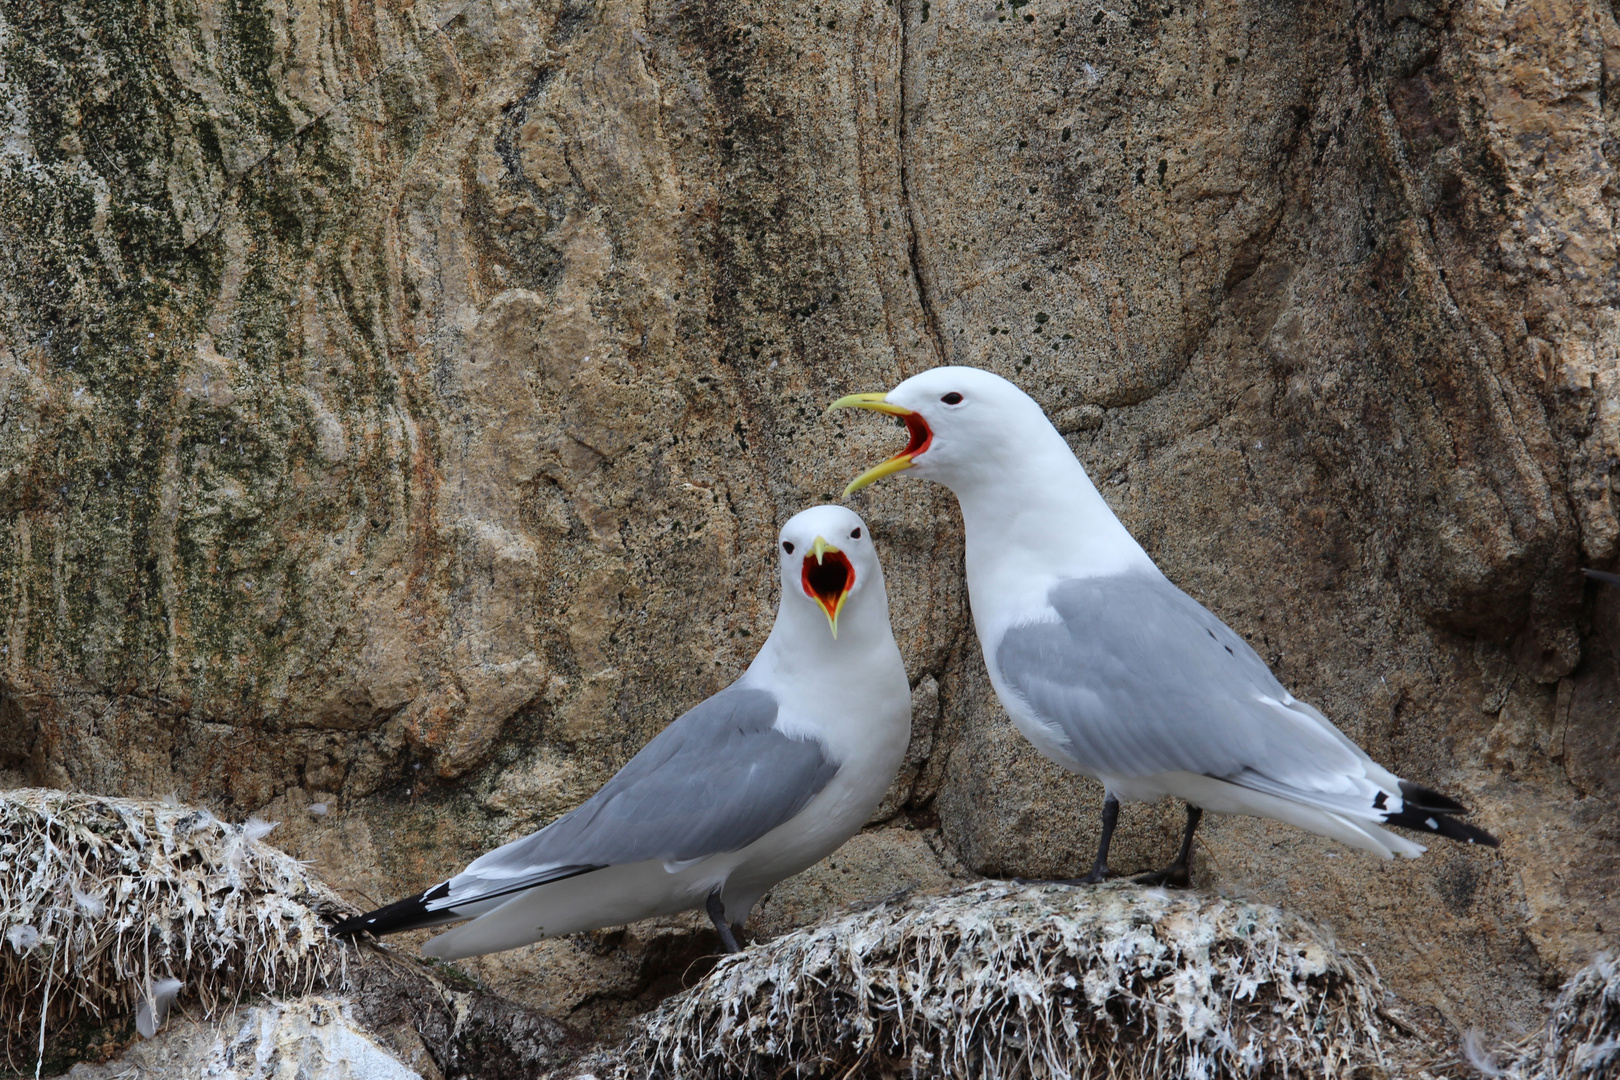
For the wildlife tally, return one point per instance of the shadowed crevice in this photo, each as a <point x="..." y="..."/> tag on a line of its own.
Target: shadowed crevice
<point x="919" y="275"/>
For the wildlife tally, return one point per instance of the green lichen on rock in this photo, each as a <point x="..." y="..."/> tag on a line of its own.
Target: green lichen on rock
<point x="397" y="403"/>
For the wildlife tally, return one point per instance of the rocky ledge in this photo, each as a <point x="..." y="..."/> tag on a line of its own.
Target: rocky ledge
<point x="149" y="940"/>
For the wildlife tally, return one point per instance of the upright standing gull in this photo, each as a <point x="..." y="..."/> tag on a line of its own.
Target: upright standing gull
<point x="1108" y="668"/>
<point x="755" y="784"/>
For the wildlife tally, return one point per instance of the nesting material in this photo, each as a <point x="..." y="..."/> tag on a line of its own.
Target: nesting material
<point x="107" y="904"/>
<point x="999" y="980"/>
<point x="1582" y="1038"/>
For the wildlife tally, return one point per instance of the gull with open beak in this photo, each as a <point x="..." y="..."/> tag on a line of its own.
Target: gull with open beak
<point x="759" y="782"/>
<point x="1108" y="668"/>
<point x="825" y="579"/>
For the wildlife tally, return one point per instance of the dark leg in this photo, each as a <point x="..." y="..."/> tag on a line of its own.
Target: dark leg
<point x="1178" y="873"/>
<point x="1099" y="869"/>
<point x="717" y="915"/>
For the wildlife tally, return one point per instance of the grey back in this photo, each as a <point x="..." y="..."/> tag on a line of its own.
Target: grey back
<point x="717" y="779"/>
<point x="1140" y="679"/>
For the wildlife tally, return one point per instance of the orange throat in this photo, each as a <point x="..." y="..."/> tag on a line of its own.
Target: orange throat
<point x="918" y="437"/>
<point x="828" y="583"/>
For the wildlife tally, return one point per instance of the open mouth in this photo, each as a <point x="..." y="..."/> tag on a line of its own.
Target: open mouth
<point x="828" y="577"/>
<point x="918" y="437"/>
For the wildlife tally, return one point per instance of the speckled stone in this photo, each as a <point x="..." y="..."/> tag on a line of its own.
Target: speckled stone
<point x="398" y="402"/>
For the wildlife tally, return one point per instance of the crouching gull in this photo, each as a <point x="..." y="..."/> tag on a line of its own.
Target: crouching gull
<point x="1109" y="669"/>
<point x="757" y="783"/>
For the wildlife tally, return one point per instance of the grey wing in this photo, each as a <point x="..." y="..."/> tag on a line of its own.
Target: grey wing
<point x="717" y="779"/>
<point x="1141" y="679"/>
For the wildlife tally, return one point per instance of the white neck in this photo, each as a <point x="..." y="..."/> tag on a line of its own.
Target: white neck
<point x="802" y="652"/>
<point x="849" y="693"/>
<point x="1040" y="514"/>
<point x="1033" y="518"/>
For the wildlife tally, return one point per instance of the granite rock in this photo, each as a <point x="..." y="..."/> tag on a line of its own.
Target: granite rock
<point x="397" y="403"/>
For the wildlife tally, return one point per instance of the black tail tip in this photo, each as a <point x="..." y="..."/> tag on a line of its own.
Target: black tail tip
<point x="1418" y="797"/>
<point x="354" y="924"/>
<point x="1441" y="823"/>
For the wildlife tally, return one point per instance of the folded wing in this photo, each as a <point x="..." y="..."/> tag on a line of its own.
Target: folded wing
<point x="717" y="779"/>
<point x="1139" y="679"/>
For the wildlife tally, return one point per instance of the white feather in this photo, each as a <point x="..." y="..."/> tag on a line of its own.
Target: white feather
<point x="153" y="1010"/>
<point x="1483" y="1060"/>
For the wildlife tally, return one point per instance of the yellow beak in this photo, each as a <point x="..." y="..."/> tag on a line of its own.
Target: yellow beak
<point x="875" y="402"/>
<point x="915" y="427"/>
<point x="820" y="548"/>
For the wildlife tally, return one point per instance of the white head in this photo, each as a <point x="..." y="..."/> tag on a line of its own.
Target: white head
<point x="1027" y="504"/>
<point x="968" y="428"/>
<point x="829" y="565"/>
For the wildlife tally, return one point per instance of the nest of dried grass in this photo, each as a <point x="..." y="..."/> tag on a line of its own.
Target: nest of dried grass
<point x="1582" y="1037"/>
<point x="102" y="900"/>
<point x="1003" y="980"/>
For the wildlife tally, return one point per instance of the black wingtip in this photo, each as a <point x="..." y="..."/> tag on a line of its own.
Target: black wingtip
<point x="1440" y="823"/>
<point x="1603" y="576"/>
<point x="1418" y="797"/>
<point x="407" y="914"/>
<point x="350" y="926"/>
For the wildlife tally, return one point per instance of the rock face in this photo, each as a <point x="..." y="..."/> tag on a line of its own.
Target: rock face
<point x="397" y="403"/>
<point x="312" y="1037"/>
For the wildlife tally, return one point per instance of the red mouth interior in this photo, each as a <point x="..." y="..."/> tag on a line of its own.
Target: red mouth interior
<point x="919" y="436"/>
<point x="829" y="579"/>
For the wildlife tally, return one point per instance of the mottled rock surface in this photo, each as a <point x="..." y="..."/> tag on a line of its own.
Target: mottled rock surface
<point x="313" y="1038"/>
<point x="398" y="400"/>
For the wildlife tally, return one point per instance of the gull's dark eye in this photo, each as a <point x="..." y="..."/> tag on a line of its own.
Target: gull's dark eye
<point x="787" y="546"/>
<point x="855" y="534"/>
<point x="952" y="398"/>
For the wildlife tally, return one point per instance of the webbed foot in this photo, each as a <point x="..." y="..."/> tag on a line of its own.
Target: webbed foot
<point x="1176" y="876"/>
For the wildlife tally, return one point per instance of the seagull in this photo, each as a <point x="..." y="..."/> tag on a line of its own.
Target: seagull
<point x="759" y="782"/>
<point x="1108" y="668"/>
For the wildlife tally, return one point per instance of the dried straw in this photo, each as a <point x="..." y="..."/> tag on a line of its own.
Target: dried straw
<point x="1582" y="1037"/>
<point x="1000" y="980"/>
<point x="101" y="900"/>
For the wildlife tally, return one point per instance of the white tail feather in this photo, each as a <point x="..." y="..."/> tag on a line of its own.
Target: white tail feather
<point x="609" y="897"/>
<point x="1221" y="797"/>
